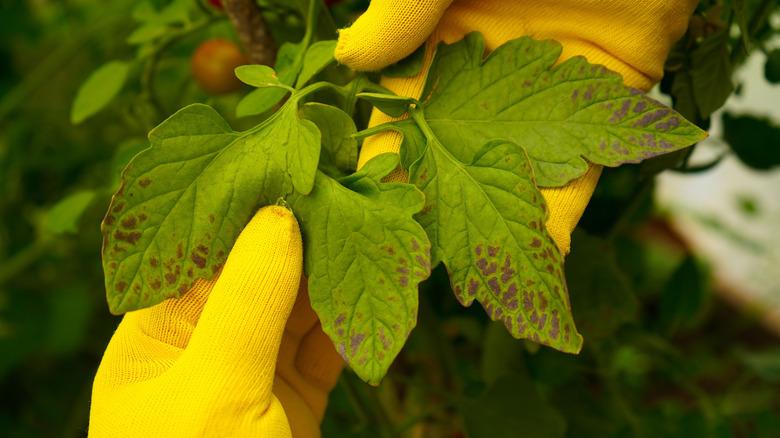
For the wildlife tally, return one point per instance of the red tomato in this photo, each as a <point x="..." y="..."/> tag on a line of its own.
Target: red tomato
<point x="213" y="64"/>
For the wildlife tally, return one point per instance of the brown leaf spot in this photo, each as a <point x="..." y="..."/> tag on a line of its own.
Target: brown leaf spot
<point x="536" y="243"/>
<point x="144" y="183"/>
<point x="129" y="223"/>
<point x="355" y="341"/>
<point x="131" y="237"/>
<point x="493" y="284"/>
<point x="554" y="325"/>
<point x="473" y="285"/>
<point x="212" y="218"/>
<point x="153" y="262"/>
<point x="156" y="284"/>
<point x="198" y="260"/>
<point x="120" y="287"/>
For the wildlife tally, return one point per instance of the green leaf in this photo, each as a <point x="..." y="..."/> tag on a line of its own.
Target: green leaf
<point x="98" y="90"/>
<point x="288" y="63"/>
<point x="486" y="221"/>
<point x="755" y="140"/>
<point x="147" y="32"/>
<point x="683" y="298"/>
<point x="339" y="152"/>
<point x="772" y="66"/>
<point x="407" y="67"/>
<point x="123" y="154"/>
<point x="512" y="407"/>
<point x="765" y="364"/>
<point x="260" y="76"/>
<point x="183" y="201"/>
<point x="601" y="295"/>
<point x="561" y="115"/>
<point x="389" y="104"/>
<point x="318" y="56"/>
<point x="64" y="216"/>
<point x="711" y="72"/>
<point x="364" y="256"/>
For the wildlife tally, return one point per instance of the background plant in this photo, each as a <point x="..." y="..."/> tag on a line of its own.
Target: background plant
<point x="662" y="352"/>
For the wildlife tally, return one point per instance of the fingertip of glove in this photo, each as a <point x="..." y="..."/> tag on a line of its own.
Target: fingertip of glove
<point x="357" y="56"/>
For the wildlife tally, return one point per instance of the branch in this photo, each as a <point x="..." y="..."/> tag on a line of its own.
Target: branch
<point x="252" y="30"/>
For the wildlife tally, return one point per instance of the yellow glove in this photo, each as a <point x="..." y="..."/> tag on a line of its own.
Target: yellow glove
<point x="236" y="356"/>
<point x="627" y="36"/>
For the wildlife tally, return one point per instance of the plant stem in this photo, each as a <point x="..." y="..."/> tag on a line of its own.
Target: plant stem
<point x="252" y="30"/>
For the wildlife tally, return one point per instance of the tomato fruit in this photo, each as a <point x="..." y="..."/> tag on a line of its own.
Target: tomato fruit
<point x="213" y="64"/>
<point x="217" y="4"/>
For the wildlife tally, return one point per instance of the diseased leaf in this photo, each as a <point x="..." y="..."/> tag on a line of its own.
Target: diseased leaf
<point x="317" y="57"/>
<point x="183" y="201"/>
<point x="98" y="90"/>
<point x="365" y="256"/>
<point x="561" y="115"/>
<point x="486" y="221"/>
<point x="339" y="153"/>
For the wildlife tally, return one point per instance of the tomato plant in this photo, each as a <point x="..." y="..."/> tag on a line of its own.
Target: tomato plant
<point x="661" y="353"/>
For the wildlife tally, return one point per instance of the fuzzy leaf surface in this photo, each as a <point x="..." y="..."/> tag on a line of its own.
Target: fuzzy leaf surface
<point x="184" y="200"/>
<point x="365" y="255"/>
<point x="486" y="222"/>
<point x="561" y="115"/>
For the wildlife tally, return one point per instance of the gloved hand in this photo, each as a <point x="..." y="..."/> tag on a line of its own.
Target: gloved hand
<point x="627" y="36"/>
<point x="236" y="356"/>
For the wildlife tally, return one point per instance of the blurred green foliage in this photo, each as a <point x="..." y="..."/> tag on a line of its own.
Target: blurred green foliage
<point x="663" y="355"/>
